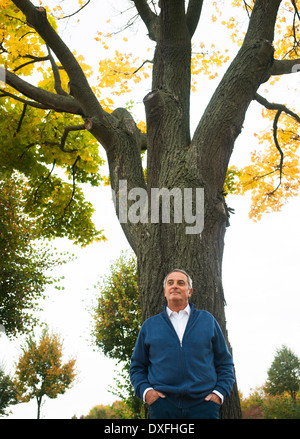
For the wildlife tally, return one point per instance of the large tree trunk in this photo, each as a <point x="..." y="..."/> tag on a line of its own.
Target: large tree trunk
<point x="174" y="162"/>
<point x="167" y="247"/>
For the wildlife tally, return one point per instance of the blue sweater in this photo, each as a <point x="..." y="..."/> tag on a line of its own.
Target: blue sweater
<point x="185" y="373"/>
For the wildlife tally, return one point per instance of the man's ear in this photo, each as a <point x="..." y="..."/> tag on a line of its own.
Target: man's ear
<point x="190" y="292"/>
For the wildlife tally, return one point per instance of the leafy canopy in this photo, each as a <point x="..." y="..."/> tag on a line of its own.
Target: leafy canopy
<point x="284" y="373"/>
<point x="8" y="392"/>
<point x="55" y="159"/>
<point x="25" y="262"/>
<point x="117" y="321"/>
<point x="57" y="154"/>
<point x="117" y="315"/>
<point x="40" y="371"/>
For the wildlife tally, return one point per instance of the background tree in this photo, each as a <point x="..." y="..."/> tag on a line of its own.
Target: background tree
<point x="40" y="371"/>
<point x="25" y="264"/>
<point x="176" y="158"/>
<point x="284" y="374"/>
<point x="280" y="407"/>
<point x="117" y="318"/>
<point x="261" y="405"/>
<point x="117" y="410"/>
<point x="8" y="392"/>
<point x="251" y="406"/>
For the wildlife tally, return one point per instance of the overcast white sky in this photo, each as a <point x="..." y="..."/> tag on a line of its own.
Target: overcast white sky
<point x="260" y="271"/>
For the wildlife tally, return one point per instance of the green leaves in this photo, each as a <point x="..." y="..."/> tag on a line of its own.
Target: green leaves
<point x="117" y="318"/>
<point x="32" y="144"/>
<point x="24" y="263"/>
<point x="52" y="151"/>
<point x="117" y="314"/>
<point x="284" y="374"/>
<point x="8" y="392"/>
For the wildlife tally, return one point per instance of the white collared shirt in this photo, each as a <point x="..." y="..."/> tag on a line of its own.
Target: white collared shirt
<point x="179" y="320"/>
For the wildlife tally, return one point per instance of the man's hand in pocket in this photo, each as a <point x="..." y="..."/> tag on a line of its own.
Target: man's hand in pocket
<point x="152" y="395"/>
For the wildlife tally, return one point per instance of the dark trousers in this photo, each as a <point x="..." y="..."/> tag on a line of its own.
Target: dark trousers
<point x="162" y="408"/>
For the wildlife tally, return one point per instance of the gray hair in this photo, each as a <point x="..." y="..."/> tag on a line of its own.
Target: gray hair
<point x="190" y="282"/>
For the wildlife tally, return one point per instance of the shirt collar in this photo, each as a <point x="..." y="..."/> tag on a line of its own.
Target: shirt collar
<point x="187" y="310"/>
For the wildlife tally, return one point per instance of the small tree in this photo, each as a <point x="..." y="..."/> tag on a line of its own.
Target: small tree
<point x="251" y="405"/>
<point x="284" y="374"/>
<point x="280" y="407"/>
<point x="8" y="392"/>
<point x="117" y="322"/>
<point x="40" y="371"/>
<point x="118" y="410"/>
<point x="261" y="405"/>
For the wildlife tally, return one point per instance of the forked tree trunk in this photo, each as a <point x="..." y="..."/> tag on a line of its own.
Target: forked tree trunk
<point x="176" y="162"/>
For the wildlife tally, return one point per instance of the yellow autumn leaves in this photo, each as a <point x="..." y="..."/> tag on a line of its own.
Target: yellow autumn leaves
<point x="273" y="176"/>
<point x="40" y="371"/>
<point x="270" y="183"/>
<point x="122" y="72"/>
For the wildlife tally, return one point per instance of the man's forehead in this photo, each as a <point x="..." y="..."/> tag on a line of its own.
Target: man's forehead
<point x="176" y="275"/>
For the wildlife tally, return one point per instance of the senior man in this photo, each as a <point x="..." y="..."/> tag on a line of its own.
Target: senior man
<point x="181" y="366"/>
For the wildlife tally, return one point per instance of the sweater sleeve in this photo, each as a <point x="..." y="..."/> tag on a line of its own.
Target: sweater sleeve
<point x="139" y="365"/>
<point x="223" y="363"/>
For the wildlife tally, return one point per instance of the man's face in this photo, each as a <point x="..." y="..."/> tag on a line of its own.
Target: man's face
<point x="177" y="290"/>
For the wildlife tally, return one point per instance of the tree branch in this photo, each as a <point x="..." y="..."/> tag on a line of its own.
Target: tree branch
<point x="296" y="9"/>
<point x="74" y="13"/>
<point x="284" y="67"/>
<point x="30" y="145"/>
<point x="193" y="15"/>
<point x="275" y="129"/>
<point x="279" y="107"/>
<point x="57" y="81"/>
<point x="66" y="133"/>
<point x="174" y="21"/>
<point x="21" y="119"/>
<point x="67" y="130"/>
<point x="24" y="101"/>
<point x="49" y="100"/>
<point x="44" y="181"/>
<point x="102" y="123"/>
<point x="150" y="19"/>
<point x="226" y="110"/>
<point x="262" y="21"/>
<point x="247" y="7"/>
<point x="37" y="18"/>
<point x="136" y="70"/>
<point x="33" y="60"/>
<point x="73" y="184"/>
